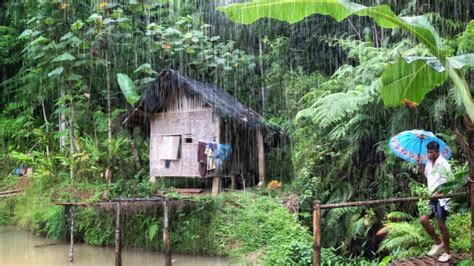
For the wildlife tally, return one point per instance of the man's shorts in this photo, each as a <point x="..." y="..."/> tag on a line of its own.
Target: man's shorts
<point x="438" y="211"/>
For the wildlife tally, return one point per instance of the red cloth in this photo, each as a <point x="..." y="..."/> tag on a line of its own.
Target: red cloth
<point x="202" y="158"/>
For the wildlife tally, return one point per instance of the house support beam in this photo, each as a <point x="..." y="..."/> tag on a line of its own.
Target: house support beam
<point x="216" y="185"/>
<point x="261" y="157"/>
<point x="233" y="182"/>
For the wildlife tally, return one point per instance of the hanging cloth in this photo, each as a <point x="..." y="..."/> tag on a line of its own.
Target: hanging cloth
<point x="222" y="153"/>
<point x="211" y="163"/>
<point x="202" y="158"/>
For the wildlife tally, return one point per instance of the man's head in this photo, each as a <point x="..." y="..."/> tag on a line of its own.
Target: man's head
<point x="433" y="150"/>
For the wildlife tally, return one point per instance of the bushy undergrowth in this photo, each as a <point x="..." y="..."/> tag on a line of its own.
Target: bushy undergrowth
<point x="252" y="227"/>
<point x="409" y="239"/>
<point x="7" y="207"/>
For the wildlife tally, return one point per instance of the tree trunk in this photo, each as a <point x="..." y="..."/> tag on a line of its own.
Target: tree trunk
<point x="136" y="156"/>
<point x="46" y="122"/>
<point x="470" y="156"/>
<point x="72" y="148"/>
<point x="471" y="201"/>
<point x="468" y="147"/>
<point x="108" y="177"/>
<point x="62" y="124"/>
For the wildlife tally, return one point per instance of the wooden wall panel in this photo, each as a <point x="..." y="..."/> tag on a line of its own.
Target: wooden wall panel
<point x="199" y="124"/>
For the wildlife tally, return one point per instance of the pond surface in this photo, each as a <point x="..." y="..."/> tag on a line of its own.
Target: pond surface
<point x="19" y="247"/>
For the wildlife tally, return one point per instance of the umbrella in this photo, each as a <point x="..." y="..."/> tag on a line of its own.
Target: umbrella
<point x="410" y="144"/>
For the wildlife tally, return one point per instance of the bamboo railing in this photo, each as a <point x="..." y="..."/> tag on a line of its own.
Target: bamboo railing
<point x="317" y="207"/>
<point x="119" y="204"/>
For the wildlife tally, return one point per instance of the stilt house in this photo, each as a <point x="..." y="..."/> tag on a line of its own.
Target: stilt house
<point x="183" y="112"/>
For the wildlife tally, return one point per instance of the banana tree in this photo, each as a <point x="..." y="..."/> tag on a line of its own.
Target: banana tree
<point x="407" y="80"/>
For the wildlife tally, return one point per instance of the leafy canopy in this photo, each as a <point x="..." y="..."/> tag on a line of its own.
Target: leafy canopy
<point x="401" y="80"/>
<point x="296" y="10"/>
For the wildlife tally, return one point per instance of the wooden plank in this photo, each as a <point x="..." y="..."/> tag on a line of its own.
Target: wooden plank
<point x="261" y="156"/>
<point x="427" y="261"/>
<point x="387" y="201"/>
<point x="10" y="191"/>
<point x="187" y="190"/>
<point x="10" y="195"/>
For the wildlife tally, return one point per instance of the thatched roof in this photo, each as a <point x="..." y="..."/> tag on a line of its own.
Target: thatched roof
<point x="225" y="105"/>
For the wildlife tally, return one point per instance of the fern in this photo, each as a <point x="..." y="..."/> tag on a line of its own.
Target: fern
<point x="402" y="235"/>
<point x="334" y="107"/>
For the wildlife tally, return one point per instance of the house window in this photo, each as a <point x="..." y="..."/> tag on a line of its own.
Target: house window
<point x="188" y="140"/>
<point x="170" y="147"/>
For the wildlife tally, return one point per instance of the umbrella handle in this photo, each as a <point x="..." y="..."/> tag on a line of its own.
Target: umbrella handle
<point x="418" y="160"/>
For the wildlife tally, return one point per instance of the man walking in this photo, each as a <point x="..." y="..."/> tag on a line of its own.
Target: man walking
<point x="435" y="171"/>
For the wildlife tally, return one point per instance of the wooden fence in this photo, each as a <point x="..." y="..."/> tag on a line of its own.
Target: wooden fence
<point x="119" y="204"/>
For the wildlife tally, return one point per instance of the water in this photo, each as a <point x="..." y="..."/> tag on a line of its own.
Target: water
<point x="19" y="247"/>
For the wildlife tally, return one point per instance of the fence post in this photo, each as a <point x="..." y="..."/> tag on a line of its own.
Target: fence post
<point x="166" y="233"/>
<point x="118" y="241"/>
<point x="71" y="221"/>
<point x="316" y="233"/>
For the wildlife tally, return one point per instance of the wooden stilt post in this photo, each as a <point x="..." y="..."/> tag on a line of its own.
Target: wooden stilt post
<point x="233" y="182"/>
<point x="216" y="185"/>
<point x="316" y="233"/>
<point x="71" y="224"/>
<point x="118" y="240"/>
<point x="261" y="157"/>
<point x="166" y="234"/>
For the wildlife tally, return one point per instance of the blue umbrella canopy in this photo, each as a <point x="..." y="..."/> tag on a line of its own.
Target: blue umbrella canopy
<point x="410" y="144"/>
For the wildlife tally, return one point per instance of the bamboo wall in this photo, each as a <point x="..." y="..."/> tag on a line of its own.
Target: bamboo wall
<point x="189" y="118"/>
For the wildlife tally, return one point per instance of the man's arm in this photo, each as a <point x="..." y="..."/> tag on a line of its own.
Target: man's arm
<point x="421" y="166"/>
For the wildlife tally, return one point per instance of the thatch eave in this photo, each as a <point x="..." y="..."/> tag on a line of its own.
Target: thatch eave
<point x="224" y="104"/>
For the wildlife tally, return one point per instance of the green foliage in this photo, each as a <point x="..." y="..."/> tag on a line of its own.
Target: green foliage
<point x="384" y="16"/>
<point x="466" y="39"/>
<point x="461" y="61"/>
<point x="294" y="11"/>
<point x="260" y="226"/>
<point x="7" y="208"/>
<point x="465" y="262"/>
<point x="402" y="237"/>
<point x="7" y="45"/>
<point x="409" y="238"/>
<point x="412" y="81"/>
<point x="330" y="257"/>
<point x="55" y="63"/>
<point x="127" y="87"/>
<point x="133" y="188"/>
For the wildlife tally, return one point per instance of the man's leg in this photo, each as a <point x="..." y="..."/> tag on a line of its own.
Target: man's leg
<point x="444" y="234"/>
<point x="425" y="222"/>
